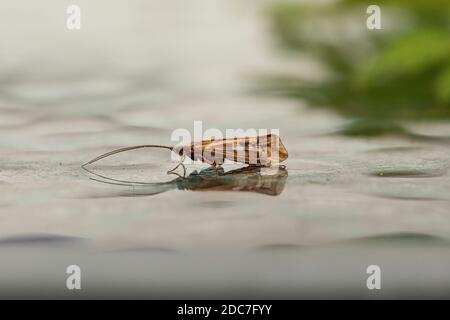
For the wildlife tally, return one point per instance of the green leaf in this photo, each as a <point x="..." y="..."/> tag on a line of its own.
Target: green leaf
<point x="410" y="56"/>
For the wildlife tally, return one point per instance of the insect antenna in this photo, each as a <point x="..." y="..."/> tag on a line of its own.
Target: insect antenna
<point x="113" y="183"/>
<point x="127" y="182"/>
<point x="180" y="163"/>
<point x="119" y="151"/>
<point x="123" y="150"/>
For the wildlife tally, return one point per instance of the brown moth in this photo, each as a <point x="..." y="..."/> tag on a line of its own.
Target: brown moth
<point x="256" y="151"/>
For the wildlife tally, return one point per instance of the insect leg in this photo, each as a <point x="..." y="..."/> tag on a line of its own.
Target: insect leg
<point x="179" y="164"/>
<point x="267" y="164"/>
<point x="213" y="164"/>
<point x="261" y="164"/>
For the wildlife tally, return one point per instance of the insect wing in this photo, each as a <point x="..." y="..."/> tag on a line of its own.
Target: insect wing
<point x="261" y="150"/>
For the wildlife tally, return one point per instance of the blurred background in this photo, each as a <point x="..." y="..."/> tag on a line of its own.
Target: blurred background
<point x="379" y="78"/>
<point x="363" y="113"/>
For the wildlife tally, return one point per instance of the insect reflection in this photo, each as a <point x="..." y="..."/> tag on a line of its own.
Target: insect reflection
<point x="268" y="181"/>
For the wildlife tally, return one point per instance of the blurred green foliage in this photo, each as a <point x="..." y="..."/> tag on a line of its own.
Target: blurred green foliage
<point x="378" y="77"/>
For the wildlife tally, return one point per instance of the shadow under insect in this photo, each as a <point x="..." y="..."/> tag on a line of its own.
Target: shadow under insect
<point x="268" y="181"/>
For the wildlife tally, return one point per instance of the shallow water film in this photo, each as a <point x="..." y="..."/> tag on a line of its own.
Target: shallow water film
<point x="366" y="182"/>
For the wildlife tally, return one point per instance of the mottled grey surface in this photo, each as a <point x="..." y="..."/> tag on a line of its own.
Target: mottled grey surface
<point x="134" y="73"/>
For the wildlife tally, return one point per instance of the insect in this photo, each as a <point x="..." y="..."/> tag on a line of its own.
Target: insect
<point x="255" y="151"/>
